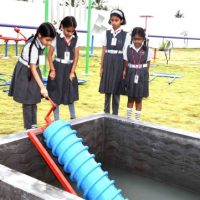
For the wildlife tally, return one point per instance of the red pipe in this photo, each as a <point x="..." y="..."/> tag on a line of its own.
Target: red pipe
<point x="47" y="117"/>
<point x="32" y="135"/>
<point x="11" y="38"/>
<point x="59" y="175"/>
<point x="17" y="30"/>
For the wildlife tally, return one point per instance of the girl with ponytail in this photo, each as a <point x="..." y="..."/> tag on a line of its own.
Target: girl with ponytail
<point x="62" y="82"/>
<point x="27" y="85"/>
<point x="137" y="58"/>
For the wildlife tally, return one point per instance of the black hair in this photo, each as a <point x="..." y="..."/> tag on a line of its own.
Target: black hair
<point x="69" y="21"/>
<point x="142" y="33"/>
<point x="118" y="13"/>
<point x="46" y="29"/>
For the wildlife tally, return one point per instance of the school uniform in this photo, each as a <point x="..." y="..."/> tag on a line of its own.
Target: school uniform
<point x="62" y="90"/>
<point x="137" y="76"/>
<point x="111" y="79"/>
<point x="24" y="88"/>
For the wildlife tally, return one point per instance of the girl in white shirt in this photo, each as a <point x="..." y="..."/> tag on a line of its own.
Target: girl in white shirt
<point x="27" y="85"/>
<point x="112" y="61"/>
<point x="137" y="58"/>
<point x="62" y="82"/>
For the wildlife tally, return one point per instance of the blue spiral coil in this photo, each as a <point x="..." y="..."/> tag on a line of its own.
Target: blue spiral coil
<point x="77" y="161"/>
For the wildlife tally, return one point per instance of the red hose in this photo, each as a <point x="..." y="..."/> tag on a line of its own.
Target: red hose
<point x="53" y="166"/>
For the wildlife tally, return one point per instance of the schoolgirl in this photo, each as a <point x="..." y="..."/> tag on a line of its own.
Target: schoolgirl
<point x="27" y="85"/>
<point x="112" y="61"/>
<point x="62" y="82"/>
<point x="137" y="58"/>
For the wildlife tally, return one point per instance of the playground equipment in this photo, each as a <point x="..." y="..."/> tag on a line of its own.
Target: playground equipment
<point x="76" y="159"/>
<point x="166" y="75"/>
<point x="3" y="80"/>
<point x="167" y="49"/>
<point x="16" y="40"/>
<point x="173" y="37"/>
<point x="169" y="43"/>
<point x="146" y="17"/>
<point x="78" y="10"/>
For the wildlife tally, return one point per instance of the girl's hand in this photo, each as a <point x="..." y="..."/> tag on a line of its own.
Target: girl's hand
<point x="52" y="74"/>
<point x="44" y="92"/>
<point x="124" y="74"/>
<point x="71" y="76"/>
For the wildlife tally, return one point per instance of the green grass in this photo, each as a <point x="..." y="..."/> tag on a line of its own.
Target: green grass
<point x="176" y="105"/>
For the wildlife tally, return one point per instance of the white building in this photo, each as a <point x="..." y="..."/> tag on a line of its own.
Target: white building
<point x="163" y="22"/>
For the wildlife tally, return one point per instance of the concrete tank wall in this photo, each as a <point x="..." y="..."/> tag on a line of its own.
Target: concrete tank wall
<point x="168" y="155"/>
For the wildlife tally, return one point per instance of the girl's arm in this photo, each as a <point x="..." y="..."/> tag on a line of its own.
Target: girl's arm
<point x="52" y="73"/>
<point x="125" y="68"/>
<point x="149" y="57"/>
<point x="38" y="80"/>
<point x="76" y="56"/>
<point x="102" y="59"/>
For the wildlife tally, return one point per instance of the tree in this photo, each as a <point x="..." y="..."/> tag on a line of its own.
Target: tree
<point x="97" y="4"/>
<point x="179" y="14"/>
<point x="100" y="4"/>
<point x="72" y="3"/>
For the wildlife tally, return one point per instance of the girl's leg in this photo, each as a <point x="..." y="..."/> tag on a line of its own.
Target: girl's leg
<point x="72" y="111"/>
<point x="107" y="103"/>
<point x="56" y="113"/>
<point x="138" y="108"/>
<point x="115" y="103"/>
<point x="130" y="108"/>
<point x="34" y="116"/>
<point x="27" y="115"/>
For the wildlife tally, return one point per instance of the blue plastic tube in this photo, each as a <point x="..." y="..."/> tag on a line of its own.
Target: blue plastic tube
<point x="81" y="165"/>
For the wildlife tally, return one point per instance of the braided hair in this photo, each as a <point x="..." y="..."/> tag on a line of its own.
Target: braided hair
<point x="46" y="29"/>
<point x="69" y="21"/>
<point x="141" y="32"/>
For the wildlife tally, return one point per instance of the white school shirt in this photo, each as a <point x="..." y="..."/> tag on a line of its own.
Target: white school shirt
<point x="149" y="56"/>
<point x="34" y="51"/>
<point x="53" y="44"/>
<point x="127" y="39"/>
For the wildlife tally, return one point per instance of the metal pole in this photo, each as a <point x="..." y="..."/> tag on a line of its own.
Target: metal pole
<point x="88" y="36"/>
<point x="46" y="10"/>
<point x="6" y="49"/>
<point x="52" y="11"/>
<point x="45" y="51"/>
<point x="92" y="46"/>
<point x="16" y="48"/>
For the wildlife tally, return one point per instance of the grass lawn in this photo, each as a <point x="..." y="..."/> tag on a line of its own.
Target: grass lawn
<point x="176" y="105"/>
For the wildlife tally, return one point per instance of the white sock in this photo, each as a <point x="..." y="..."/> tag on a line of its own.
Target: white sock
<point x="137" y="115"/>
<point x="129" y="113"/>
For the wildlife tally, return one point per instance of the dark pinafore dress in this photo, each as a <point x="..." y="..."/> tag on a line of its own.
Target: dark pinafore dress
<point x="137" y="76"/>
<point x="62" y="90"/>
<point x="113" y="64"/>
<point x="24" y="88"/>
